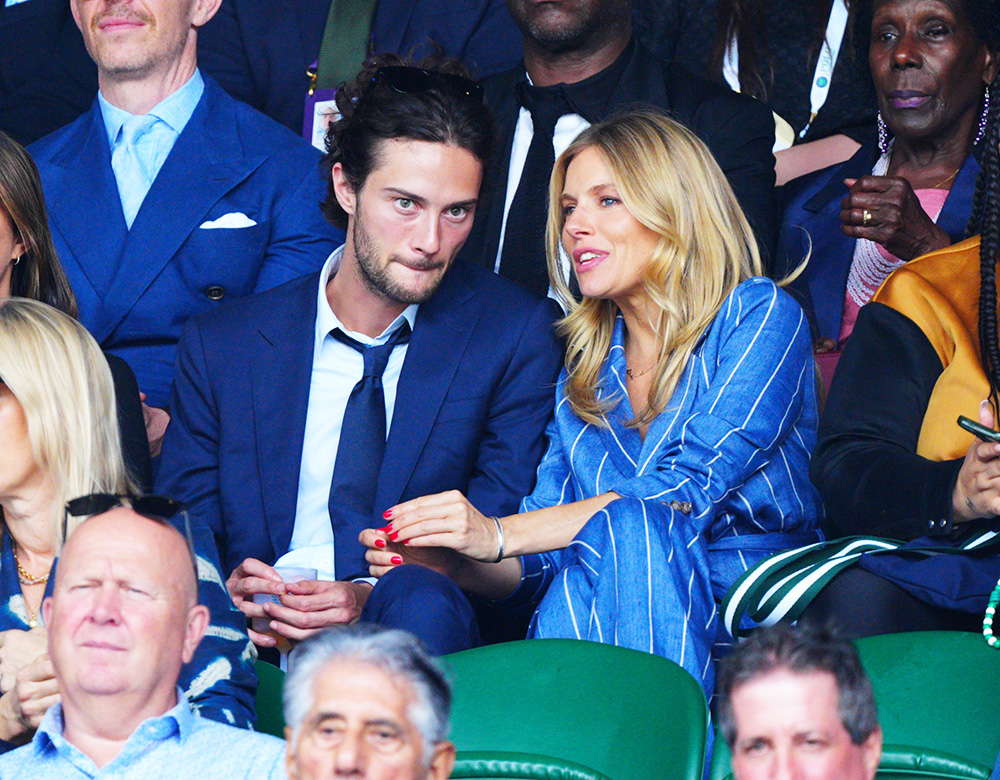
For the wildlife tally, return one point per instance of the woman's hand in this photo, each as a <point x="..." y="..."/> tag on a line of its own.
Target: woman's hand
<point x="22" y="707"/>
<point x="896" y="219"/>
<point x="17" y="650"/>
<point x="977" y="489"/>
<point x="384" y="555"/>
<point x="443" y="520"/>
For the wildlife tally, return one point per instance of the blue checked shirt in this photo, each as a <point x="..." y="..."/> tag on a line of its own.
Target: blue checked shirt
<point x="176" y="745"/>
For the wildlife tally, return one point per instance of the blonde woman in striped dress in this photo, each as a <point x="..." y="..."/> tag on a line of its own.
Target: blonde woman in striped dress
<point x="685" y="416"/>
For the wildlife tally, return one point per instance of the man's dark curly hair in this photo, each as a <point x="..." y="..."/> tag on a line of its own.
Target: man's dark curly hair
<point x="372" y="113"/>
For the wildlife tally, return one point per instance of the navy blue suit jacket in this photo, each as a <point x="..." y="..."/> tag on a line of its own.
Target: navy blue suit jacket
<point x="811" y="213"/>
<point x="259" y="50"/>
<point x="137" y="287"/>
<point x="474" y="396"/>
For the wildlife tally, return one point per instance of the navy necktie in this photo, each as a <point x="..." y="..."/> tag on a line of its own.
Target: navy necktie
<point x="359" y="454"/>
<point x="523" y="257"/>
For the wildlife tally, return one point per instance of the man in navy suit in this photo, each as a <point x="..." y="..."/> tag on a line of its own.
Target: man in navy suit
<point x="277" y="396"/>
<point x="168" y="197"/>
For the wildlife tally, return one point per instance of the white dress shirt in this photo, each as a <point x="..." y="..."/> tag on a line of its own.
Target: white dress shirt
<point x="336" y="369"/>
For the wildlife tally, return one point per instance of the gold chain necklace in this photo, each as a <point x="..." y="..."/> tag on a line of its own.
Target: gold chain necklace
<point x="630" y="375"/>
<point x="24" y="577"/>
<point x="945" y="181"/>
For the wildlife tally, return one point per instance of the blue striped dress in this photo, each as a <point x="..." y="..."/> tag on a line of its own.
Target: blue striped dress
<point x="720" y="481"/>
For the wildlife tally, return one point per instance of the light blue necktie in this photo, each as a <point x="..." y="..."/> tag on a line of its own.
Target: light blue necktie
<point x="131" y="173"/>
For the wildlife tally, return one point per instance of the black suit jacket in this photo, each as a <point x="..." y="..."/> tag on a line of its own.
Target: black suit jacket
<point x="738" y="129"/>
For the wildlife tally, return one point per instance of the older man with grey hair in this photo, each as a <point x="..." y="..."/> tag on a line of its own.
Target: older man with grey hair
<point x="366" y="702"/>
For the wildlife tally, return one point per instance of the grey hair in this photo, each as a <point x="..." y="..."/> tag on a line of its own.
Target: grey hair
<point x="395" y="652"/>
<point x="801" y="649"/>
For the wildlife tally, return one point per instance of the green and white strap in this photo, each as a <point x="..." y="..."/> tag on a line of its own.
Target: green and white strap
<point x="782" y="586"/>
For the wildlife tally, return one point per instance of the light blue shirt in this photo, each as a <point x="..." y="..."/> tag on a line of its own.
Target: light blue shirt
<point x="336" y="369"/>
<point x="176" y="745"/>
<point x="153" y="147"/>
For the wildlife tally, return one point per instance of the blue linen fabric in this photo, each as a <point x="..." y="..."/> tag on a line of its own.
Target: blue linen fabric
<point x="734" y="442"/>
<point x="220" y="680"/>
<point x="175" y="745"/>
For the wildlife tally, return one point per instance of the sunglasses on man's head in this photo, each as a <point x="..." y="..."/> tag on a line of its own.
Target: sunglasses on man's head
<point x="156" y="508"/>
<point x="407" y="79"/>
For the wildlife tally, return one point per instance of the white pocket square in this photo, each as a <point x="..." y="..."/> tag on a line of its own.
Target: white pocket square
<point x="235" y="219"/>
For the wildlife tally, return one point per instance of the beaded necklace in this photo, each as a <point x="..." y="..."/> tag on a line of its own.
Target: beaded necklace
<point x="991" y="608"/>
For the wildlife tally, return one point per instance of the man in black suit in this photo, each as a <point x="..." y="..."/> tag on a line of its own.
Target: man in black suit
<point x="581" y="54"/>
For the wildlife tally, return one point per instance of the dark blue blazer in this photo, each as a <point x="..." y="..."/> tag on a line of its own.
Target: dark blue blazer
<point x="474" y="396"/>
<point x="811" y="212"/>
<point x="259" y="50"/>
<point x="137" y="287"/>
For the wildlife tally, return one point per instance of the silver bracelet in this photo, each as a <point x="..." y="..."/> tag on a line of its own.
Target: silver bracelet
<point x="496" y="522"/>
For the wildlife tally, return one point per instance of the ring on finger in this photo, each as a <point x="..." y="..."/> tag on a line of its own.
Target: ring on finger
<point x="866" y="217"/>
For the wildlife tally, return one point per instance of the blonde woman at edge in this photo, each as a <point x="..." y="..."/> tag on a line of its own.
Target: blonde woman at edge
<point x="685" y="415"/>
<point x="59" y="439"/>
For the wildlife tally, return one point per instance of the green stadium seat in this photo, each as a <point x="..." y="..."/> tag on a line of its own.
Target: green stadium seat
<point x="270" y="715"/>
<point x="578" y="710"/>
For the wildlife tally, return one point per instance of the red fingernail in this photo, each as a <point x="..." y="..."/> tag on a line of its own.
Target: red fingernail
<point x="387" y="514"/>
<point x="388" y="528"/>
<point x="380" y="542"/>
<point x="394" y="535"/>
<point x="396" y="559"/>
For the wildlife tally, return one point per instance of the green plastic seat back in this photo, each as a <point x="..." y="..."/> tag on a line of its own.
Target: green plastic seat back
<point x="937" y="691"/>
<point x="614" y="712"/>
<point x="937" y="695"/>
<point x="518" y="766"/>
<point x="270" y="715"/>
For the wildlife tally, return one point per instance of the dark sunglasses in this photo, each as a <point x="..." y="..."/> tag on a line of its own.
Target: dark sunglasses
<point x="156" y="508"/>
<point x="407" y="79"/>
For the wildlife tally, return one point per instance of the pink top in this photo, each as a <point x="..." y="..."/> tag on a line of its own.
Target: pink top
<point x="931" y="201"/>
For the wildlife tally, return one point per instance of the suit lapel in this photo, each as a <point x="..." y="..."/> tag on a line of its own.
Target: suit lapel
<point x="440" y="337"/>
<point x="280" y="375"/>
<point x="207" y="161"/>
<point x="484" y="241"/>
<point x="89" y="216"/>
<point x="954" y="216"/>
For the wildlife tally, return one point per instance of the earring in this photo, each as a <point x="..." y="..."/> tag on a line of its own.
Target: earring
<point x="984" y="117"/>
<point x="16" y="260"/>
<point x="883" y="135"/>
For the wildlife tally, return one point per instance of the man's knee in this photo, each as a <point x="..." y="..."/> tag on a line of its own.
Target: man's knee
<point x="427" y="604"/>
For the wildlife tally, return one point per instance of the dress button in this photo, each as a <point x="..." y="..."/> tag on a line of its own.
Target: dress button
<point x="215" y="292"/>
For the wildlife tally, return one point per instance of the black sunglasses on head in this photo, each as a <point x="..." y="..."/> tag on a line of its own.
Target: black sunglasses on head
<point x="407" y="79"/>
<point x="156" y="508"/>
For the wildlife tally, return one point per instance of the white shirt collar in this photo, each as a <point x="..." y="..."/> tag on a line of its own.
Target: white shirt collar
<point x="326" y="320"/>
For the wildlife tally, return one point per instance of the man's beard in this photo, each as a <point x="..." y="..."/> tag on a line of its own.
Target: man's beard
<point x="378" y="278"/>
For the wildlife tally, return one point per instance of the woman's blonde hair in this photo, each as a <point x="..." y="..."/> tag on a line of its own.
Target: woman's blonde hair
<point x="59" y="375"/>
<point x="669" y="181"/>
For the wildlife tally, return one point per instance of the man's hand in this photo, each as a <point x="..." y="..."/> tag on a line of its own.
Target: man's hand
<point x="305" y="606"/>
<point x="250" y="577"/>
<point x="311" y="605"/>
<point x="17" y="650"/>
<point x="156" y="421"/>
<point x="977" y="489"/>
<point x="22" y="708"/>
